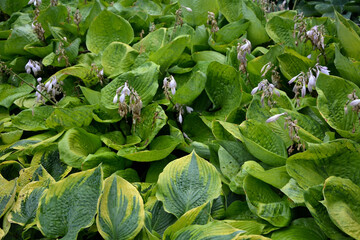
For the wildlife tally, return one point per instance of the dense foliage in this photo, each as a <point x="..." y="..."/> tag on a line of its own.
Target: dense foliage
<point x="193" y="119"/>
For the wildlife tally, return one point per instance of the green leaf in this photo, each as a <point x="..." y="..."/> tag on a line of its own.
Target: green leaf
<point x="69" y="205"/>
<point x="54" y="16"/>
<point x="152" y="120"/>
<point x="106" y="28"/>
<point x="300" y="229"/>
<point x="9" y="93"/>
<point x="212" y="230"/>
<point x="196" y="216"/>
<point x="313" y="197"/>
<point x="118" y="58"/>
<point x="250" y="226"/>
<point x="232" y="31"/>
<point x="337" y="158"/>
<point x="209" y="56"/>
<point x="76" y="145"/>
<point x="113" y="139"/>
<point x="276" y="177"/>
<point x="170" y="53"/>
<point x="143" y="79"/>
<point x="333" y="92"/>
<point x="263" y="143"/>
<point x="152" y="42"/>
<point x="7" y="194"/>
<point x="280" y="30"/>
<point x="66" y="118"/>
<point x="223" y="88"/>
<point x="349" y="39"/>
<point x="110" y="162"/>
<point x="189" y="91"/>
<point x="265" y="203"/>
<point x="19" y="38"/>
<point x="348" y="69"/>
<point x="292" y="63"/>
<point x="9" y="6"/>
<point x="200" y="9"/>
<point x="234" y="10"/>
<point x="121" y="210"/>
<point x="159" y="149"/>
<point x="342" y="200"/>
<point x="187" y="183"/>
<point x="33" y="119"/>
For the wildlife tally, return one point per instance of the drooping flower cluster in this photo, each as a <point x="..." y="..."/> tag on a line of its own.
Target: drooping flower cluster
<point x="52" y="88"/>
<point x="61" y="52"/>
<point x="268" y="91"/>
<point x="169" y="85"/>
<point x="77" y="19"/>
<point x="299" y="33"/>
<point x="178" y="20"/>
<point x="316" y="36"/>
<point x="99" y="73"/>
<point x="293" y="128"/>
<point x="33" y="66"/>
<point x="242" y="50"/>
<point x="275" y="75"/>
<point x="270" y="6"/>
<point x="54" y="3"/>
<point x="181" y="110"/>
<point x="307" y="80"/>
<point x="211" y="21"/>
<point x="39" y="30"/>
<point x="354" y="102"/>
<point x="135" y="103"/>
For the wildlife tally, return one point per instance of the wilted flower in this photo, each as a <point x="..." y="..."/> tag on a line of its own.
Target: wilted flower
<point x="242" y="50"/>
<point x="33" y="66"/>
<point x="268" y="91"/>
<point x="169" y="84"/>
<point x="275" y="117"/>
<point x="299" y="33"/>
<point x="275" y="76"/>
<point x="211" y="20"/>
<point x="315" y="34"/>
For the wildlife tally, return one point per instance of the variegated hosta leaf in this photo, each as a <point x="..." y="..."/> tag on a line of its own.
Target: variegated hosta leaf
<point x="342" y="200"/>
<point x="121" y="210"/>
<point x="30" y="174"/>
<point x="7" y="194"/>
<point x="338" y="158"/>
<point x="196" y="216"/>
<point x="24" y="210"/>
<point x="266" y="203"/>
<point x="157" y="219"/>
<point x="263" y="143"/>
<point x="212" y="230"/>
<point x="69" y="205"/>
<point x="186" y="183"/>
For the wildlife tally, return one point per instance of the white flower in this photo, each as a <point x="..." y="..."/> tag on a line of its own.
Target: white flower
<point x="246" y="47"/>
<point x="116" y="98"/>
<point x="294" y="78"/>
<point x="35" y="2"/>
<point x="187" y="9"/>
<point x="355" y="102"/>
<point x="172" y="85"/>
<point x="255" y="89"/>
<point x="275" y="117"/>
<point x="324" y="70"/>
<point x="101" y="72"/>
<point x="312" y="81"/>
<point x="180" y="118"/>
<point x="126" y="89"/>
<point x="303" y="90"/>
<point x="122" y="98"/>
<point x="189" y="109"/>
